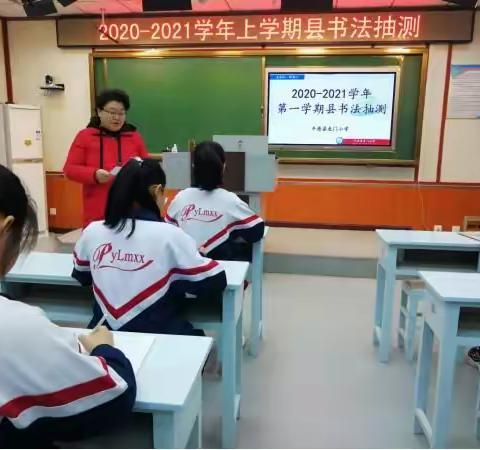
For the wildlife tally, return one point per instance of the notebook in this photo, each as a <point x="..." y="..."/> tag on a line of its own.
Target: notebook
<point x="134" y="346"/>
<point x="471" y="234"/>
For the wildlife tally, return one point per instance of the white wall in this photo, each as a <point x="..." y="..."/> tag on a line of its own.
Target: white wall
<point x="432" y="112"/>
<point x="34" y="53"/>
<point x="461" y="151"/>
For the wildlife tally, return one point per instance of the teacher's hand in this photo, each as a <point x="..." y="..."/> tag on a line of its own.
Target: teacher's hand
<point x="102" y="176"/>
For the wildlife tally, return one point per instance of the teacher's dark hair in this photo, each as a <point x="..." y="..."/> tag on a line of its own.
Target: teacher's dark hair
<point x="113" y="95"/>
<point x="208" y="165"/>
<point x="131" y="190"/>
<point x="23" y="232"/>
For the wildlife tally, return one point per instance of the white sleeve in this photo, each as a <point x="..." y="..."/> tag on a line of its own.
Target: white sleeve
<point x="186" y="252"/>
<point x="240" y="210"/>
<point x="243" y="221"/>
<point x="46" y="376"/>
<point x="194" y="267"/>
<point x="171" y="216"/>
<point x="81" y="254"/>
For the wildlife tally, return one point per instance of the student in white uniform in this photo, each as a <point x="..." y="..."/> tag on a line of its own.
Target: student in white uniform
<point x="49" y="390"/>
<point x="141" y="267"/>
<point x="223" y="226"/>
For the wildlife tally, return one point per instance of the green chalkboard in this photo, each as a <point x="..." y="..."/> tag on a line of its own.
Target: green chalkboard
<point x="180" y="98"/>
<point x="177" y="99"/>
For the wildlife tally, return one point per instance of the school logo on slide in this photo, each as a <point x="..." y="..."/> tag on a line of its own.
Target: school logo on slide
<point x="191" y="212"/>
<point x="106" y="257"/>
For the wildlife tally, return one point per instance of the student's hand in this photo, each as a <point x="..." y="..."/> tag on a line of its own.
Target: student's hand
<point x="98" y="337"/>
<point x="102" y="176"/>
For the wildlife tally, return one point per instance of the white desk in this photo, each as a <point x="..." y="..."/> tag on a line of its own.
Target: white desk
<point x="394" y="262"/>
<point x="446" y="293"/>
<point x="169" y="386"/>
<point x="43" y="268"/>
<point x="56" y="269"/>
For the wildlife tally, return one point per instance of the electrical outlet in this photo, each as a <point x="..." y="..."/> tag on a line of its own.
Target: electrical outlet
<point x="53" y="211"/>
<point x="456" y="228"/>
<point x="437" y="228"/>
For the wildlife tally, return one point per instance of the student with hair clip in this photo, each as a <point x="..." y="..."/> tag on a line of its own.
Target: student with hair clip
<point x="49" y="390"/>
<point x="141" y="267"/>
<point x="223" y="226"/>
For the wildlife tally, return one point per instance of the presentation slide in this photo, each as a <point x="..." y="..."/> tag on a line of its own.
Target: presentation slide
<point x="354" y="109"/>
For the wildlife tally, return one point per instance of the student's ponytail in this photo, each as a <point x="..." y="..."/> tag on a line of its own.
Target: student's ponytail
<point x="208" y="165"/>
<point x="130" y="190"/>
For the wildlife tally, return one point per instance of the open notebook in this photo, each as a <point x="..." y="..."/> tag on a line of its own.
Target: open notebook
<point x="135" y="346"/>
<point x="471" y="234"/>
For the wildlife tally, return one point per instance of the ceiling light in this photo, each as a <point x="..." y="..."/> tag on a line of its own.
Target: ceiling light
<point x="166" y="5"/>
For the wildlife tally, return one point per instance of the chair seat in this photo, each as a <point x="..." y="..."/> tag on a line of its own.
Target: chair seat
<point x="413" y="285"/>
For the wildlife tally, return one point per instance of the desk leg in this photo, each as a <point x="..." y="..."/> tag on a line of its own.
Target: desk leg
<point x="181" y="428"/>
<point x="164" y="435"/>
<point x="171" y="430"/>
<point x="378" y="303"/>
<point x="422" y="378"/>
<point x="385" y="305"/>
<point x="477" y="411"/>
<point x="195" y="440"/>
<point x="445" y="376"/>
<point x="238" y="366"/>
<point x="229" y="362"/>
<point x="257" y="298"/>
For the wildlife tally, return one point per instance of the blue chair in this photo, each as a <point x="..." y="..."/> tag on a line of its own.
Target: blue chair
<point x="413" y="291"/>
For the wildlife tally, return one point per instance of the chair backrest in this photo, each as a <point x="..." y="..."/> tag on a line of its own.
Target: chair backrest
<point x="471" y="223"/>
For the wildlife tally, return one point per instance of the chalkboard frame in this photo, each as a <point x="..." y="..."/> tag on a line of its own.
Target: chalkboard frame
<point x="264" y="52"/>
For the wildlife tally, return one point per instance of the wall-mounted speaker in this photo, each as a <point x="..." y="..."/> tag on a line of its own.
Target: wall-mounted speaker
<point x="39" y="8"/>
<point x="307" y="5"/>
<point x="66" y="2"/>
<point x="166" y="5"/>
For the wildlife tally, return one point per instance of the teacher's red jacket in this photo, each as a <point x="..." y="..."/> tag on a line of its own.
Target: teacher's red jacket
<point x="95" y="148"/>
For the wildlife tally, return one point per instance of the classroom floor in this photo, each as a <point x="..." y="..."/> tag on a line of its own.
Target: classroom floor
<point x="317" y="383"/>
<point x="322" y="242"/>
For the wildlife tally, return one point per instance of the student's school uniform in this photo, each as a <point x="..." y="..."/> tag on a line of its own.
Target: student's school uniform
<point x="49" y="390"/>
<point x="139" y="282"/>
<point x="223" y="226"/>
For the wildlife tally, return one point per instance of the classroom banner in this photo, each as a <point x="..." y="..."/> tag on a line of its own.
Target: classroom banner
<point x="329" y="28"/>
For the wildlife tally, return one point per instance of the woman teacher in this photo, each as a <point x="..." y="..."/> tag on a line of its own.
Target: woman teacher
<point x="101" y="149"/>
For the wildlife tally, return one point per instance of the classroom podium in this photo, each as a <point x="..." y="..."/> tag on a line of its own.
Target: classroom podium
<point x="250" y="169"/>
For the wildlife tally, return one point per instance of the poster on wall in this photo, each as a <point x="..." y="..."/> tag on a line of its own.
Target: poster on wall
<point x="334" y="108"/>
<point x="464" y="98"/>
